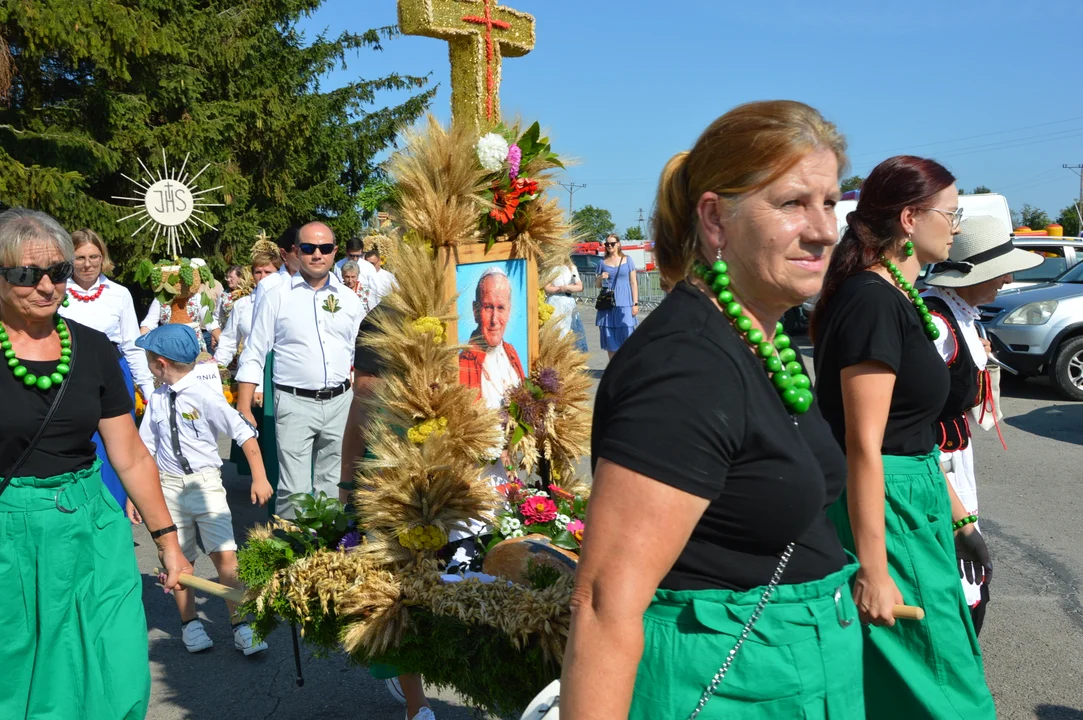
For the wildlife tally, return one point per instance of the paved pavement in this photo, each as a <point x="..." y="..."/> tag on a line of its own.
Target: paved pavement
<point x="1033" y="637"/>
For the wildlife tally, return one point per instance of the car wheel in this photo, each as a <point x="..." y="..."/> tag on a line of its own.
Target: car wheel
<point x="1067" y="370"/>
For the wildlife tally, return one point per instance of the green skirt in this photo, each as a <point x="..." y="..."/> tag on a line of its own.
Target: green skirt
<point x="75" y="636"/>
<point x="801" y="660"/>
<point x="932" y="668"/>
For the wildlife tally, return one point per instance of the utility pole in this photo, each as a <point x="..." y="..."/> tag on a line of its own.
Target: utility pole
<point x="571" y="188"/>
<point x="1078" y="169"/>
<point x="640" y="221"/>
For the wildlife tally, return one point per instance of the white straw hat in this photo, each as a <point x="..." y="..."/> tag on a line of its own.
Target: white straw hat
<point x="982" y="251"/>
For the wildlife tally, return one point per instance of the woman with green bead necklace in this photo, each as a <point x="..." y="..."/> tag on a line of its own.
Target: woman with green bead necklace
<point x="713" y="468"/>
<point x="75" y="638"/>
<point x="882" y="384"/>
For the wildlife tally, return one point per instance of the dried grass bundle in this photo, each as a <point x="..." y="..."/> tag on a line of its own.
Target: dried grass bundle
<point x="439" y="183"/>
<point x="7" y="70"/>
<point x="519" y="612"/>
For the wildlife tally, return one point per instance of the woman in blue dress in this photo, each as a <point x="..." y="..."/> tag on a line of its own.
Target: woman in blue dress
<point x="617" y="272"/>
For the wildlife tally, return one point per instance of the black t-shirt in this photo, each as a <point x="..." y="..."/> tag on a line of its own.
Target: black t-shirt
<point x="869" y="319"/>
<point x="96" y="390"/>
<point x="686" y="403"/>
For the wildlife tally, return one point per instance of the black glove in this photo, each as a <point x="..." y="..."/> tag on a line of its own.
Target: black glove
<point x="974" y="562"/>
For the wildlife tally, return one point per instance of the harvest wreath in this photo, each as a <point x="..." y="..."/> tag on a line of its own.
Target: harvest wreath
<point x="372" y="579"/>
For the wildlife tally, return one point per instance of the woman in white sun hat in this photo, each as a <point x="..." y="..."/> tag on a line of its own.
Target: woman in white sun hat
<point x="982" y="261"/>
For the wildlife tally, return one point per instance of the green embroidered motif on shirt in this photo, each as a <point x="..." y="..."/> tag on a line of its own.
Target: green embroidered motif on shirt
<point x="331" y="304"/>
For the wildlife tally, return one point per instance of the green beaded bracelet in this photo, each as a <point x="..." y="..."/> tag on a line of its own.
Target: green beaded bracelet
<point x="960" y="524"/>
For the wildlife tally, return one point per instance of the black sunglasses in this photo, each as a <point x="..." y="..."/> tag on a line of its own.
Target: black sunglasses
<point x="309" y="248"/>
<point x="609" y="244"/>
<point x="30" y="276"/>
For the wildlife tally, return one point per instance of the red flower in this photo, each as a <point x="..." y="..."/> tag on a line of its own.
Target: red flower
<point x="560" y="492"/>
<point x="511" y="490"/>
<point x="504" y="206"/>
<point x="524" y="186"/>
<point x="538" y="510"/>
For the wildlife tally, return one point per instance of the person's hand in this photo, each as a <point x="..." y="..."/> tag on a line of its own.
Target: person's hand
<point x="261" y="491"/>
<point x="605" y="276"/>
<point x="987" y="345"/>
<point x="257" y="399"/>
<point x="173" y="562"/>
<point x="876" y="596"/>
<point x="974" y="561"/>
<point x="635" y="310"/>
<point x="132" y="512"/>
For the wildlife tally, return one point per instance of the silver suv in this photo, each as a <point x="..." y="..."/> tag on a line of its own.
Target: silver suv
<point x="1039" y="330"/>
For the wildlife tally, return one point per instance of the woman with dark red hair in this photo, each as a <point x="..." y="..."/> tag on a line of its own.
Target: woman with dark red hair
<point x="881" y="385"/>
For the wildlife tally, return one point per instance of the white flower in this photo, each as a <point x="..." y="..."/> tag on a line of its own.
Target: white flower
<point x="508" y="526"/>
<point x="517" y="533"/>
<point x="540" y="493"/>
<point x="492" y="151"/>
<point x="562" y="521"/>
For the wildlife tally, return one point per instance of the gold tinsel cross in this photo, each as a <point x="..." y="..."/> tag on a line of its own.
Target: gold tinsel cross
<point x="479" y="33"/>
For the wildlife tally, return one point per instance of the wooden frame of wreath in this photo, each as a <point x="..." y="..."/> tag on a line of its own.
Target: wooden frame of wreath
<point x="471" y="254"/>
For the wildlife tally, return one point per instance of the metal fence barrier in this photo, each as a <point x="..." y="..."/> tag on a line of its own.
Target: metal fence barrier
<point x="650" y="291"/>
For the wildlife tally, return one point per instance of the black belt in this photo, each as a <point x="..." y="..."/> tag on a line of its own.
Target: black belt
<point x="325" y="394"/>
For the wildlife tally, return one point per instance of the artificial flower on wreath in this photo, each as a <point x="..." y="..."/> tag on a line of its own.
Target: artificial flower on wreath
<point x="509" y="191"/>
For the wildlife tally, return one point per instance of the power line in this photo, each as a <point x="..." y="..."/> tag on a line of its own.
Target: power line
<point x="571" y="188"/>
<point x="970" y="137"/>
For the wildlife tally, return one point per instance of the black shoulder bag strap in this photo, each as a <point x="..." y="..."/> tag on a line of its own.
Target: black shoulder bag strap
<point x="45" y="424"/>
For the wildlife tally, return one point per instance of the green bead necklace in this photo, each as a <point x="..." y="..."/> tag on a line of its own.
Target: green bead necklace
<point x="779" y="359"/>
<point x="915" y="297"/>
<point x="29" y="379"/>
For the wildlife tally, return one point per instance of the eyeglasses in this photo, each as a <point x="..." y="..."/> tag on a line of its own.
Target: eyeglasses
<point x="310" y="248"/>
<point x="356" y="256"/>
<point x="30" y="276"/>
<point x="955" y="217"/>
<point x="89" y="259"/>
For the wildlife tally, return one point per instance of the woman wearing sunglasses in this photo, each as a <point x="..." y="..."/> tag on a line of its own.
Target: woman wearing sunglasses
<point x="617" y="274"/>
<point x="99" y="303"/>
<point x="75" y="636"/>
<point x="882" y="384"/>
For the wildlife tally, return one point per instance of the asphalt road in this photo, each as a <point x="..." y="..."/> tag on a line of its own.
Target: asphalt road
<point x="1033" y="637"/>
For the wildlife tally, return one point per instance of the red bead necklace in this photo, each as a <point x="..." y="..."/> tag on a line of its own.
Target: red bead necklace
<point x="90" y="297"/>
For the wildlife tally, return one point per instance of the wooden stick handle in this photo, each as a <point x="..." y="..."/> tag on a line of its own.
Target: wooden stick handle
<point x="908" y="612"/>
<point x="210" y="587"/>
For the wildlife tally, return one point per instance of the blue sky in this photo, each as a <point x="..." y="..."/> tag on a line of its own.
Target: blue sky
<point x="994" y="90"/>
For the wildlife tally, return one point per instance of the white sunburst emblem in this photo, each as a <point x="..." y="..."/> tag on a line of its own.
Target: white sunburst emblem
<point x="171" y="200"/>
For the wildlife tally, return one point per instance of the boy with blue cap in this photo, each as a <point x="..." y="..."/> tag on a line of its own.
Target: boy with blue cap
<point x="183" y="420"/>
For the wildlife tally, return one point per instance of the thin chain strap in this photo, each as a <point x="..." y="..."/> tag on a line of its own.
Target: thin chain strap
<point x="767" y="592"/>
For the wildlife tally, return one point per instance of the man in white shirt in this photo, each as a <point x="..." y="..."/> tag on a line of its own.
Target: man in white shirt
<point x="384" y="282"/>
<point x="287" y="248"/>
<point x="311" y="324"/>
<point x="489" y="363"/>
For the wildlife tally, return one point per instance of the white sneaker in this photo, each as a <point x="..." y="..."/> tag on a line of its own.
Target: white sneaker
<point x="395" y="688"/>
<point x="195" y="637"/>
<point x="424" y="714"/>
<point x="245" y="641"/>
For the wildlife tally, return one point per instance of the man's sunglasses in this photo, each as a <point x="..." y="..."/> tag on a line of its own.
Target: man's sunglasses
<point x="310" y="248"/>
<point x="30" y="276"/>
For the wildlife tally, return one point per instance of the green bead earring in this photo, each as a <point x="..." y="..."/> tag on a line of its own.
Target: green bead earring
<point x="65" y="302"/>
<point x="908" y="248"/>
<point x="779" y="359"/>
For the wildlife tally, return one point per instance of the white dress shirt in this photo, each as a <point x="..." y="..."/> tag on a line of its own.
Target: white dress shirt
<point x="236" y="330"/>
<point x="112" y="313"/>
<point x="202" y="415"/>
<point x="313" y="346"/>
<point x="385" y="285"/>
<point x="267" y="284"/>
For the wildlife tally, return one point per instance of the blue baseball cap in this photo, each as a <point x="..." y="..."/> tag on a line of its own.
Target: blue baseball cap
<point x="173" y="341"/>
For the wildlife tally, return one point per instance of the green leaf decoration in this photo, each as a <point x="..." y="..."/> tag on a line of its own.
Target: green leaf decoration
<point x="566" y="540"/>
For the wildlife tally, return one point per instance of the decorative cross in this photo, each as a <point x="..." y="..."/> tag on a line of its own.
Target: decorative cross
<point x="477" y="41"/>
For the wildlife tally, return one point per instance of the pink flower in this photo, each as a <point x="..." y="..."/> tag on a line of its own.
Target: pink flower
<point x="538" y="510"/>
<point x="576" y="528"/>
<point x="515" y="156"/>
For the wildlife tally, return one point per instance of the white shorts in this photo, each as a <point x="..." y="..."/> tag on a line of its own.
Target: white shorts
<point x="197" y="503"/>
